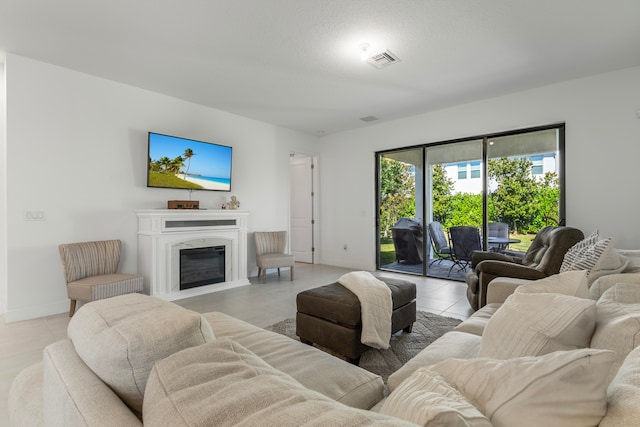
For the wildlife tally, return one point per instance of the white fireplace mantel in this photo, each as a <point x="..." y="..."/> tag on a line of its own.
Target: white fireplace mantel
<point x="162" y="232"/>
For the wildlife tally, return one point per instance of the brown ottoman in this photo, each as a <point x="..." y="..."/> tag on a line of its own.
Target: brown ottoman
<point x="329" y="316"/>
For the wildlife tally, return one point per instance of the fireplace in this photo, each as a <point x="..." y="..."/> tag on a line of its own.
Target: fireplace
<point x="202" y="266"/>
<point x="184" y="253"/>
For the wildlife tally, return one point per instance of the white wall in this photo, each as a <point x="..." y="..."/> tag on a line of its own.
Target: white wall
<point x="3" y="193"/>
<point x="77" y="148"/>
<point x="602" y="150"/>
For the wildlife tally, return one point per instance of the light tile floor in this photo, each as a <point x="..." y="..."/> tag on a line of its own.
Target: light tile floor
<point x="21" y="343"/>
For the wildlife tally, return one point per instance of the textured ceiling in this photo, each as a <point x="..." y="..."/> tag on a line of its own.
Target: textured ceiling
<point x="295" y="63"/>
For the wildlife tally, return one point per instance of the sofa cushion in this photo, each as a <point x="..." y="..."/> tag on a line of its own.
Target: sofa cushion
<point x="537" y="324"/>
<point x="604" y="283"/>
<point x="23" y="407"/>
<point x="425" y="398"/>
<point x="222" y="384"/>
<point x="313" y="368"/>
<point x="120" y="339"/>
<point x="572" y="283"/>
<point x="476" y="323"/>
<point x="618" y="322"/>
<point x="564" y="388"/>
<point x="594" y="255"/>
<point x="73" y="395"/>
<point x="633" y="255"/>
<point x="623" y="394"/>
<point x="454" y="344"/>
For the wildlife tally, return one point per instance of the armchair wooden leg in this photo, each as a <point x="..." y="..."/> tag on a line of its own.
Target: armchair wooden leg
<point x="72" y="307"/>
<point x="259" y="272"/>
<point x="291" y="272"/>
<point x="264" y="275"/>
<point x="278" y="271"/>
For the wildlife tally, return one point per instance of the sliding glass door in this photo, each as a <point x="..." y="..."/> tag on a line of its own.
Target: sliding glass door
<point x="505" y="186"/>
<point x="400" y="235"/>
<point x="454" y="199"/>
<point x="524" y="172"/>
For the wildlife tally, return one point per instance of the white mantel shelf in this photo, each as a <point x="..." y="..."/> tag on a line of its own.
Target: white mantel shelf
<point x="161" y="231"/>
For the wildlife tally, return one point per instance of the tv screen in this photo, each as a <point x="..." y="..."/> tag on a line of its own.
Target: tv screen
<point x="185" y="163"/>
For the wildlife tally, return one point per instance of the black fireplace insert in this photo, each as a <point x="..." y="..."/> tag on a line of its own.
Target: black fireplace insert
<point x="202" y="266"/>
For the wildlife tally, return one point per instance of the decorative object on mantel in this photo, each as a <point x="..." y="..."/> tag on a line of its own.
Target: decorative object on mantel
<point x="234" y="203"/>
<point x="183" y="204"/>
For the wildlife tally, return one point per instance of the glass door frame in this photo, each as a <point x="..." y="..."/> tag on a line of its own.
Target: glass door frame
<point x="560" y="168"/>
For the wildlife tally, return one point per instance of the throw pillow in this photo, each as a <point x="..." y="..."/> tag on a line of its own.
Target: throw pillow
<point x="604" y="283"/>
<point x="121" y="338"/>
<point x="537" y="324"/>
<point x="618" y="319"/>
<point x="224" y="384"/>
<point x="594" y="255"/>
<point x="425" y="398"/>
<point x="572" y="283"/>
<point x="564" y="388"/>
<point x="623" y="393"/>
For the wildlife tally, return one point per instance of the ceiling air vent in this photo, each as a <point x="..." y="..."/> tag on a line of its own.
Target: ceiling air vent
<point x="383" y="59"/>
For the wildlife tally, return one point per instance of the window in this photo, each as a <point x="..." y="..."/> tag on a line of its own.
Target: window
<point x="475" y="170"/>
<point x="462" y="171"/>
<point x="537" y="168"/>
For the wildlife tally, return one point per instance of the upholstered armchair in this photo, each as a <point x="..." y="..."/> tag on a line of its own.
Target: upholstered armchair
<point x="270" y="253"/>
<point x="544" y="258"/>
<point x="91" y="272"/>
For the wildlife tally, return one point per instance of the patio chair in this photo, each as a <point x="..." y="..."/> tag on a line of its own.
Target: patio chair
<point x="439" y="242"/>
<point x="464" y="241"/>
<point x="498" y="229"/>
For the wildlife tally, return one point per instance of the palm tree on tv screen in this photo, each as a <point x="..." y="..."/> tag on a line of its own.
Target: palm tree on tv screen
<point x="176" y="164"/>
<point x="188" y="154"/>
<point x="164" y="163"/>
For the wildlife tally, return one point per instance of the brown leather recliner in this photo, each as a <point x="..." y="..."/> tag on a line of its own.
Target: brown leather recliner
<point x="544" y="258"/>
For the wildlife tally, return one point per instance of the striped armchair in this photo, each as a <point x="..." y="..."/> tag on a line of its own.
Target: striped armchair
<point x="90" y="269"/>
<point x="270" y="247"/>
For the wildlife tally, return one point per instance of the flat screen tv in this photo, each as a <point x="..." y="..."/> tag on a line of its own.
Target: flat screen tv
<point x="185" y="163"/>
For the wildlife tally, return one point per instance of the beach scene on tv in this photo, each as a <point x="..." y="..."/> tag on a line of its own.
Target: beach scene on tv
<point x="183" y="163"/>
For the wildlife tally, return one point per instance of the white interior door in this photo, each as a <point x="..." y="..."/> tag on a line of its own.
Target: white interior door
<point x="301" y="167"/>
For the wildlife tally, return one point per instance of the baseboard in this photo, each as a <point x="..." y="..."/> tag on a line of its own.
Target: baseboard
<point x="33" y="312"/>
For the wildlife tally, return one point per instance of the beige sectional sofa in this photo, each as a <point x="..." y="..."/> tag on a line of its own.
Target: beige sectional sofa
<point x="135" y="358"/>
<point x="551" y="318"/>
<point x="105" y="372"/>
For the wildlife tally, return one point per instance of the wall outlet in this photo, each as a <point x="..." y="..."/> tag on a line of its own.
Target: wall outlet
<point x="34" y="216"/>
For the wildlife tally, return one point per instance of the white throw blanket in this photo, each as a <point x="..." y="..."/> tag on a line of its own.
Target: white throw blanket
<point x="376" y="307"/>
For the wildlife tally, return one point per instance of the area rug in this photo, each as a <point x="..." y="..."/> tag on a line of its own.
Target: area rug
<point x="427" y="328"/>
